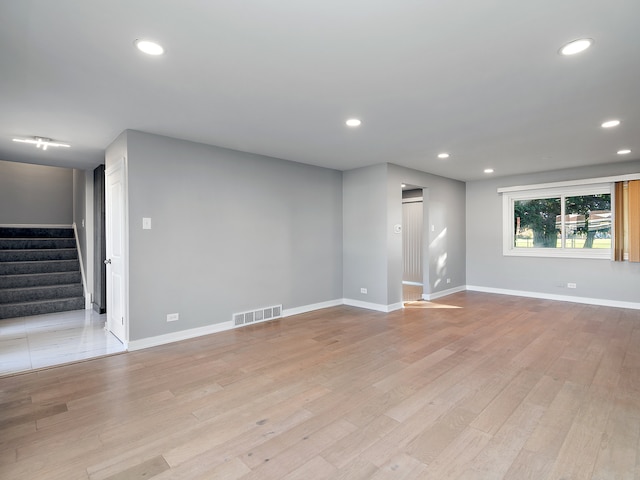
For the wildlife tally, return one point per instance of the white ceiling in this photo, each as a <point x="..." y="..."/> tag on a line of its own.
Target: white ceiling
<point x="480" y="79"/>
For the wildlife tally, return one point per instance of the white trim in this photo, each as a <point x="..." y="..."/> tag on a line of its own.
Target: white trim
<point x="443" y="293"/>
<point x="508" y="206"/>
<point x="179" y="336"/>
<point x="571" y="183"/>
<point x="220" y="327"/>
<point x="562" y="298"/>
<point x="36" y="225"/>
<point x="415" y="284"/>
<point x="372" y="306"/>
<point x="312" y="307"/>
<point x="87" y="299"/>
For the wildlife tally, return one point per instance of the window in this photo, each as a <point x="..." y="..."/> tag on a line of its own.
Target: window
<point x="572" y="221"/>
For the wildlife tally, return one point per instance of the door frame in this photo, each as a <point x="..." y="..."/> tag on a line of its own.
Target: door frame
<point x="120" y="164"/>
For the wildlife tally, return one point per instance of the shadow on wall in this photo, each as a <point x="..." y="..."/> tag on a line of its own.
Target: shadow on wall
<point x="437" y="248"/>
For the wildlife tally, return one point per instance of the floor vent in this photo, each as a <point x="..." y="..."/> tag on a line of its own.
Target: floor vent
<point x="256" y="316"/>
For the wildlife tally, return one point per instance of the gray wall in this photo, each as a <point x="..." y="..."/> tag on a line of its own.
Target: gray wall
<point x="83" y="218"/>
<point x="372" y="199"/>
<point x="35" y="194"/>
<point x="231" y="231"/>
<point x="488" y="268"/>
<point x="365" y="234"/>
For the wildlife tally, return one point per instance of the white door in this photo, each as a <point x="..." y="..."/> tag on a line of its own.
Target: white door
<point x="115" y="250"/>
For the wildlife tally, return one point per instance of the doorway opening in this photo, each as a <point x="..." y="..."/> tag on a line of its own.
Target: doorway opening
<point x="412" y="241"/>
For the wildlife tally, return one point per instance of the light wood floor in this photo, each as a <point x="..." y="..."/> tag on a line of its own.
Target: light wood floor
<point x="490" y="387"/>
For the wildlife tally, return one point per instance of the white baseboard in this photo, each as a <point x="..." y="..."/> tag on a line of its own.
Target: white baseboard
<point x="219" y="327"/>
<point x="562" y="298"/>
<point x="178" y="336"/>
<point x="312" y="307"/>
<point x="372" y="306"/>
<point x="443" y="293"/>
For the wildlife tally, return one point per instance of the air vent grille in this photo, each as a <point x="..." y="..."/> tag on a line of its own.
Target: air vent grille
<point x="256" y="316"/>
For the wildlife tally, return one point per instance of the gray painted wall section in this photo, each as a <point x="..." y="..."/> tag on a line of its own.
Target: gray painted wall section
<point x="35" y="194"/>
<point x="231" y="232"/>
<point x="488" y="268"/>
<point x="372" y="201"/>
<point x="364" y="234"/>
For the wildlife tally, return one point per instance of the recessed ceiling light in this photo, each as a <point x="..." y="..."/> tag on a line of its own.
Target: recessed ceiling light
<point x="41" y="142"/>
<point x="610" y="123"/>
<point x="488" y="170"/>
<point x="353" y="122"/>
<point x="443" y="155"/>
<point x="624" y="151"/>
<point x="576" y="46"/>
<point x="149" y="47"/>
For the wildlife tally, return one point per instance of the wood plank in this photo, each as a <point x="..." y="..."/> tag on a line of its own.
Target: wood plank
<point x="148" y="469"/>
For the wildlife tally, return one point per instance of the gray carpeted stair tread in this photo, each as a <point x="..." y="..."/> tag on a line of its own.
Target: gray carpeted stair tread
<point x="39" y="279"/>
<point x="46" y="292"/>
<point x="41" y="266"/>
<point x="27" y="243"/>
<point x="18" y="255"/>
<point x="36" y="232"/>
<point x="39" y="307"/>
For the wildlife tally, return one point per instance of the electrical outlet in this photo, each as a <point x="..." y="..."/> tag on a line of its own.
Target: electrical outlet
<point x="571" y="285"/>
<point x="448" y="280"/>
<point x="172" y="317"/>
<point x="363" y="290"/>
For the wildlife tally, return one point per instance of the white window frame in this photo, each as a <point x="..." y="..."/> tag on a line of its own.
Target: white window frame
<point x="511" y="195"/>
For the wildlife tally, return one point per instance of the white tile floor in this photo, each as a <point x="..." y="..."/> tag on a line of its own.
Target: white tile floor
<point x="39" y="341"/>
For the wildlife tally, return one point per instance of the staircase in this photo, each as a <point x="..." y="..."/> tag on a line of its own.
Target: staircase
<point x="39" y="271"/>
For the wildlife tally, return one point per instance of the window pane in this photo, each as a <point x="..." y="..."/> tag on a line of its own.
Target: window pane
<point x="587" y="221"/>
<point x="536" y="223"/>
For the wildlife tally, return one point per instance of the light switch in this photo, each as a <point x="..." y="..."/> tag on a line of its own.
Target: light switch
<point x="146" y="223"/>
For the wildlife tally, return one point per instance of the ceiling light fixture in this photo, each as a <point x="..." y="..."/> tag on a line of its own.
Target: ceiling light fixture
<point x="488" y="170"/>
<point x="576" y="46"/>
<point x="41" y="142"/>
<point x="149" y="47"/>
<point x="624" y="151"/>
<point x="610" y="123"/>
<point x="443" y="155"/>
<point x="353" y="122"/>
